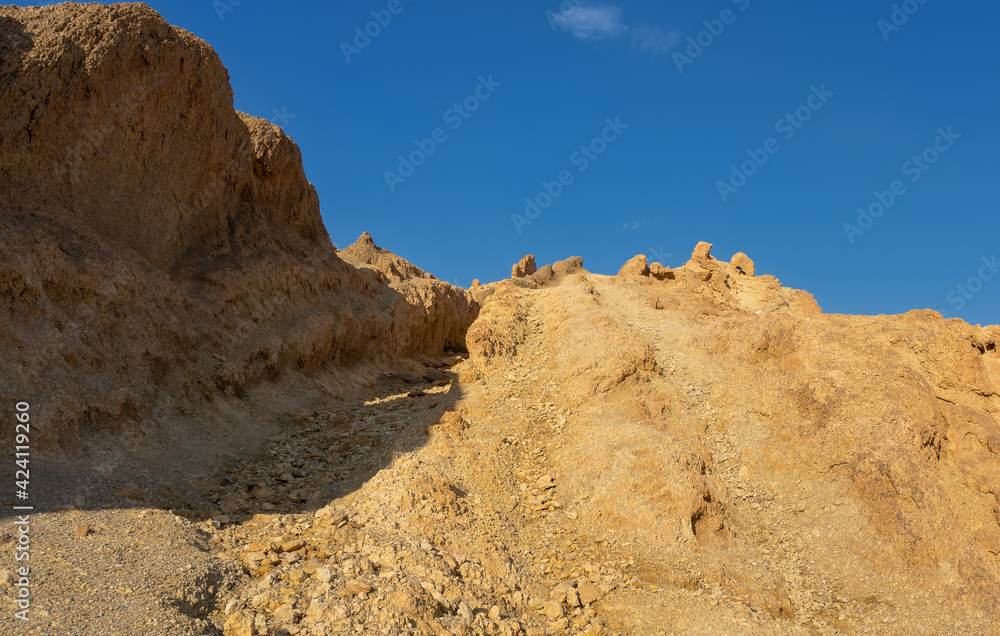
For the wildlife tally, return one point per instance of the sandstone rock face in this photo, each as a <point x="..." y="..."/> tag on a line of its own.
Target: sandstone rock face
<point x="524" y="268"/>
<point x="636" y="266"/>
<point x="82" y="137"/>
<point x="742" y="263"/>
<point x="427" y="314"/>
<point x="168" y="250"/>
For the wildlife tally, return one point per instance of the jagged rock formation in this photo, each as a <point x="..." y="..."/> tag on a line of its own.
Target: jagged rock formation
<point x="732" y="283"/>
<point x="524" y="268"/>
<point x="163" y="252"/>
<point x="724" y="283"/>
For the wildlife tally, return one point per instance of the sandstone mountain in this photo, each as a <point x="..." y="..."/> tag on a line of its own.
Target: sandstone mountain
<point x="241" y="430"/>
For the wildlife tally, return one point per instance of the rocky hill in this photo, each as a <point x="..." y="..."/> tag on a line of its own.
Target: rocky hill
<point x="164" y="256"/>
<point x="241" y="430"/>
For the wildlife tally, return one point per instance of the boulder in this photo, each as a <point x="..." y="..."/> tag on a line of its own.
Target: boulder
<point x="543" y="275"/>
<point x="590" y="593"/>
<point x="660" y="272"/>
<point x="239" y="624"/>
<point x="568" y="266"/>
<point x="636" y="266"/>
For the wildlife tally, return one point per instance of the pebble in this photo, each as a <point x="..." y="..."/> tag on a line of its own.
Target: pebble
<point x="552" y="609"/>
<point x="324" y="575"/>
<point x="331" y="514"/>
<point x="355" y="587"/>
<point x="590" y="593"/>
<point x="545" y="482"/>
<point x="293" y="546"/>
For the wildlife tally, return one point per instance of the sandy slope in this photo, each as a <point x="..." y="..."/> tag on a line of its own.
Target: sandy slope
<point x="707" y="468"/>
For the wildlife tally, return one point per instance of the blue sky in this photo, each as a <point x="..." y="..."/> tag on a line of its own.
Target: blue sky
<point x="868" y="102"/>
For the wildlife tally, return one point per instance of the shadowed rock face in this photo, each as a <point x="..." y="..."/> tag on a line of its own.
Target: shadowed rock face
<point x="162" y="251"/>
<point x="126" y="124"/>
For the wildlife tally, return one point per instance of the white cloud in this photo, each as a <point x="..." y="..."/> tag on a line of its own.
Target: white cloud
<point x="590" y="22"/>
<point x="654" y="40"/>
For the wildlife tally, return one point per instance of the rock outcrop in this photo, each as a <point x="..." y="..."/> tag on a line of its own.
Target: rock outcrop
<point x="426" y="315"/>
<point x="552" y="274"/>
<point x="163" y="254"/>
<point x="524" y="268"/>
<point x="742" y="264"/>
<point x="635" y="266"/>
<point x="723" y="282"/>
<point x="365" y="254"/>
